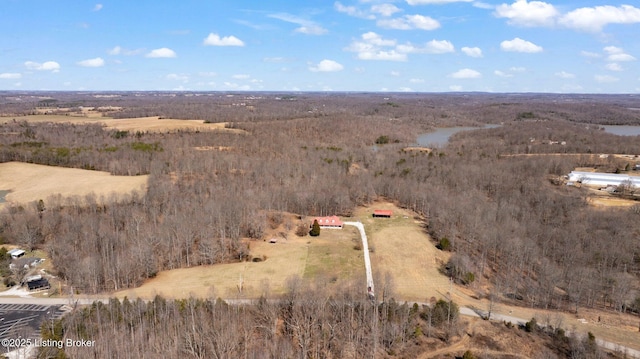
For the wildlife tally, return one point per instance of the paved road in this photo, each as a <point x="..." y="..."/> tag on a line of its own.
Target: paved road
<point x="519" y="321"/>
<point x="365" y="250"/>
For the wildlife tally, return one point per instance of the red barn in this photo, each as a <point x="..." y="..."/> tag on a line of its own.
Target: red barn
<point x="382" y="213"/>
<point x="328" y="222"/>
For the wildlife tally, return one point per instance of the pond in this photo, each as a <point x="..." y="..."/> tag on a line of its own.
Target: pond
<point x="623" y="130"/>
<point x="441" y="136"/>
<point x="3" y="193"/>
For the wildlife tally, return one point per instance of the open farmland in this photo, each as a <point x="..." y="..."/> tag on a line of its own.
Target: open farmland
<point x="142" y="124"/>
<point x="402" y="249"/>
<point x="329" y="258"/>
<point x="30" y="182"/>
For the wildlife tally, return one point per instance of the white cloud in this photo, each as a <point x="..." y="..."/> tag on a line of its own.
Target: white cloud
<point x="620" y="58"/>
<point x="45" y="66"/>
<point x="161" y="53"/>
<point x="117" y="50"/>
<point x="352" y="11"/>
<point x="605" y="78"/>
<point x="374" y="47"/>
<point x="236" y="86"/>
<point x="382" y="55"/>
<point x="326" y="66"/>
<point x="416" y="81"/>
<point x="375" y="39"/>
<point x="394" y="73"/>
<point x="306" y="26"/>
<point x="97" y="7"/>
<point x="564" y="75"/>
<point x="502" y="74"/>
<point x="510" y="73"/>
<point x="472" y="51"/>
<point x="613" y="67"/>
<point x="216" y="40"/>
<point x="409" y="22"/>
<point x="10" y="75"/>
<point x="593" y="19"/>
<point x="519" y="45"/>
<point x="524" y="13"/>
<point x="466" y="74"/>
<point x="431" y="47"/>
<point x="178" y="77"/>
<point x="433" y="2"/>
<point x="439" y="47"/>
<point x="97" y="62"/>
<point x="456" y="88"/>
<point x="311" y="30"/>
<point x="590" y="54"/>
<point x="483" y="5"/>
<point x="612" y="50"/>
<point x="385" y="9"/>
<point x="241" y="76"/>
<point x="617" y="54"/>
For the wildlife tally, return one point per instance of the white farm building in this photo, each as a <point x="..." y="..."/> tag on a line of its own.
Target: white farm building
<point x="603" y="179"/>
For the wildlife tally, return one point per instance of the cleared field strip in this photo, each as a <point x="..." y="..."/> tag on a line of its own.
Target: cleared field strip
<point x="30" y="182"/>
<point x="400" y="247"/>
<point x="143" y="124"/>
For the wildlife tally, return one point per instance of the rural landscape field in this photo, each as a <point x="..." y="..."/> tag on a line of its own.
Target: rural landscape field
<point x="190" y="223"/>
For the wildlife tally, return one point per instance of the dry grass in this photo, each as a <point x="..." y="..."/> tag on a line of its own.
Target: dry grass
<point x="329" y="258"/>
<point x="404" y="250"/>
<point x="142" y="124"/>
<point x="283" y="260"/>
<point x="30" y="182"/>
<point x="401" y="248"/>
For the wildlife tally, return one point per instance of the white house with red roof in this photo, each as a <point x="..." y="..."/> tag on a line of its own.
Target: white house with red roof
<point x="329" y="222"/>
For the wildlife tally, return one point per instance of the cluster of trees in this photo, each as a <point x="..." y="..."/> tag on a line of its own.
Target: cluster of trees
<point x="305" y="323"/>
<point x="502" y="218"/>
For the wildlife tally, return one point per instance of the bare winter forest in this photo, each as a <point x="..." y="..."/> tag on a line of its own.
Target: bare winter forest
<point x="506" y="219"/>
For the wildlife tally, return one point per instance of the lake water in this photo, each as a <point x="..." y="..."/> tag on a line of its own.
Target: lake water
<point x="623" y="130"/>
<point x="441" y="136"/>
<point x="2" y="194"/>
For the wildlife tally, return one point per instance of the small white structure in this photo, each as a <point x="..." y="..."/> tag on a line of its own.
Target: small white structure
<point x="603" y="179"/>
<point x="16" y="253"/>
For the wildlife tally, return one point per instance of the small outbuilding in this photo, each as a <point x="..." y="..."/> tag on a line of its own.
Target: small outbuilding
<point x="384" y="213"/>
<point x="16" y="253"/>
<point x="41" y="283"/>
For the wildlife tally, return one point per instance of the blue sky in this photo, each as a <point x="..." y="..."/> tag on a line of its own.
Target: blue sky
<point x="563" y="46"/>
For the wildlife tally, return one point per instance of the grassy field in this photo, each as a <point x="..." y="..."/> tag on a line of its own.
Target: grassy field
<point x="142" y="124"/>
<point x="30" y="182"/>
<point x="401" y="249"/>
<point x="329" y="258"/>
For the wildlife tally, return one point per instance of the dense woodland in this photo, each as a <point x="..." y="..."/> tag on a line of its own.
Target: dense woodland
<point x="316" y="154"/>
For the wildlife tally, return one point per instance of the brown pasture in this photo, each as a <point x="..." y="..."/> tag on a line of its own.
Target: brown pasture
<point x="30" y="182"/>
